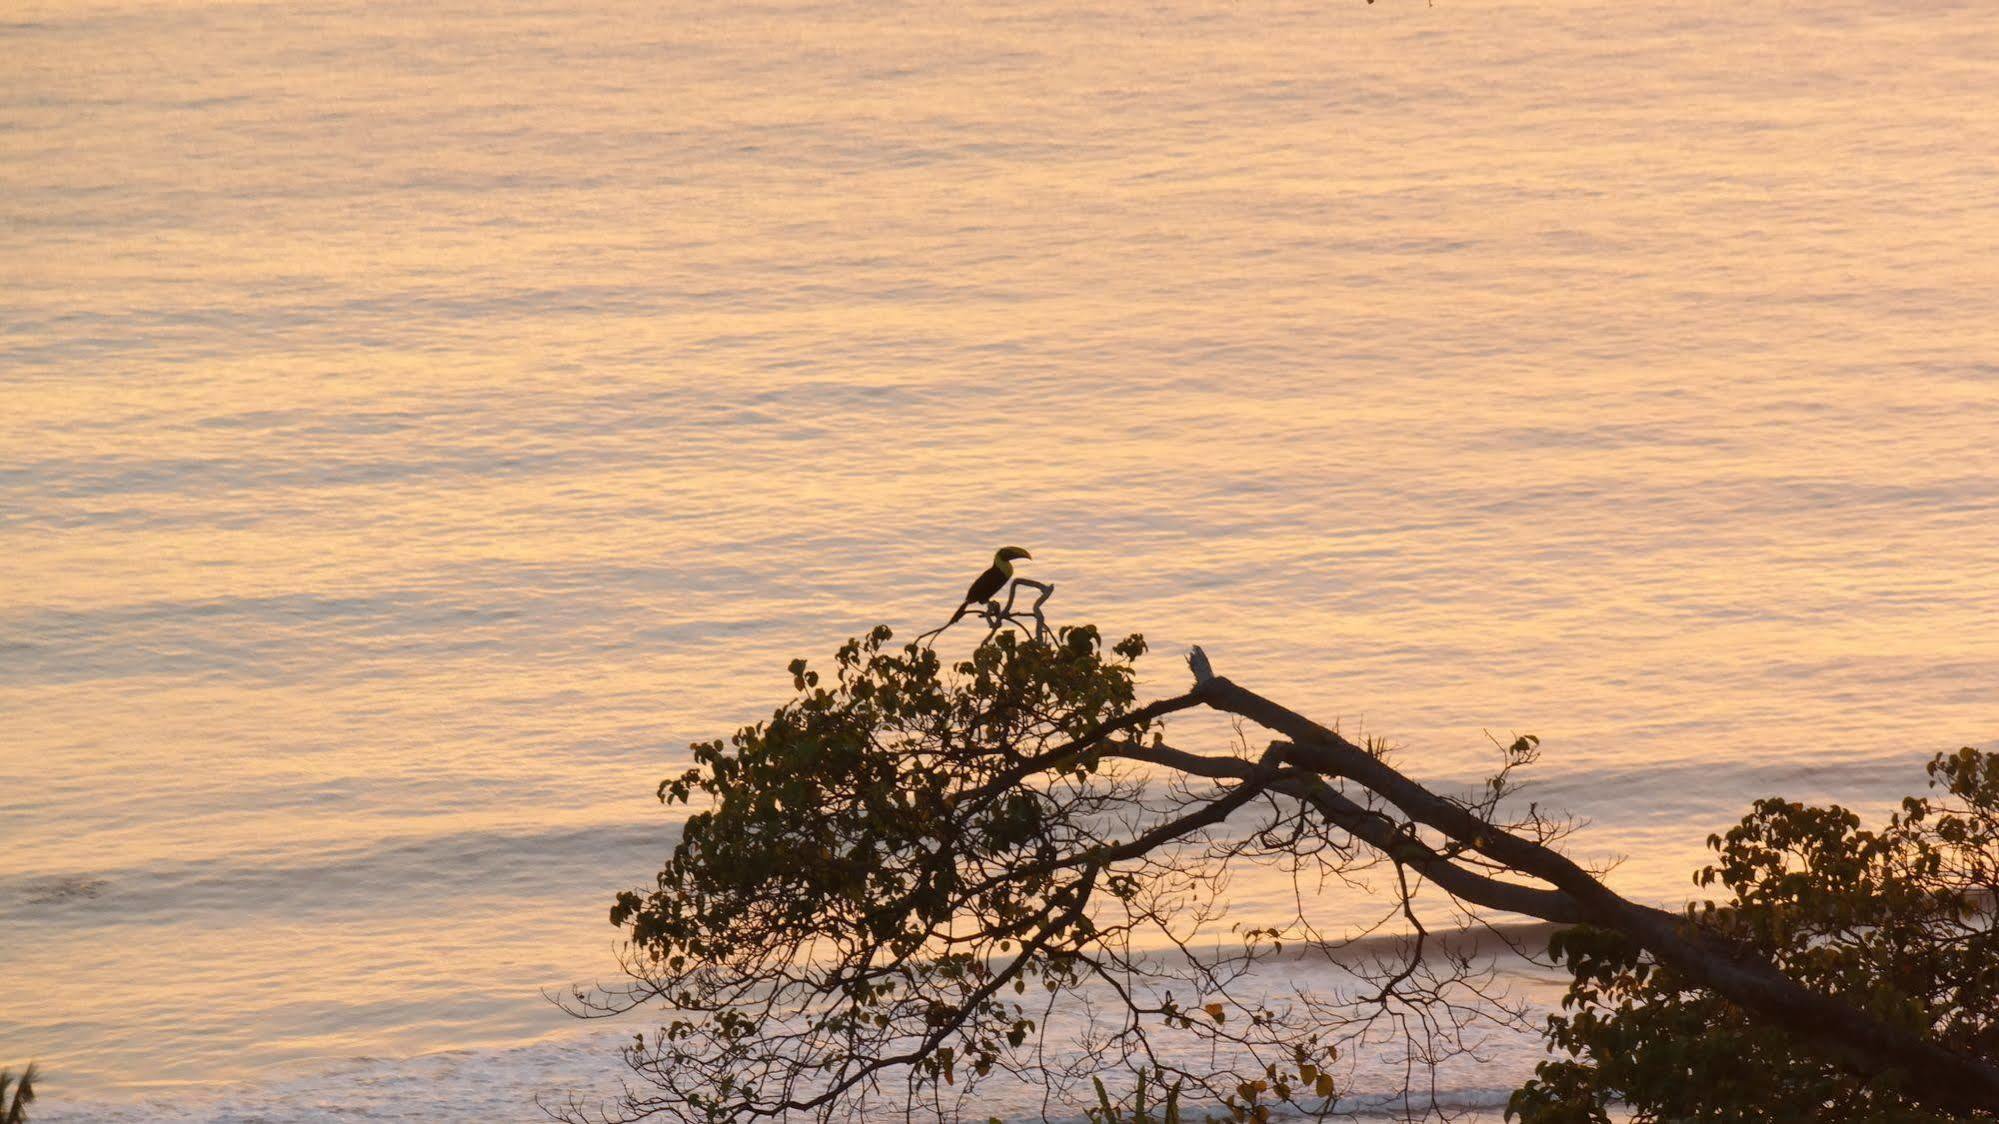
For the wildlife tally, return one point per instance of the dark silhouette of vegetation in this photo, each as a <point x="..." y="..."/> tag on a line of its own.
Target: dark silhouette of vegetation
<point x="1897" y="922"/>
<point x="24" y="1094"/>
<point x="890" y="886"/>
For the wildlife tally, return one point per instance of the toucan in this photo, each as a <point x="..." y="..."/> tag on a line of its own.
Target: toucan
<point x="987" y="585"/>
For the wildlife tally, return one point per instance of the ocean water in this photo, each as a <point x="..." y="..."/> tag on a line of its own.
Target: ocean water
<point x="419" y="421"/>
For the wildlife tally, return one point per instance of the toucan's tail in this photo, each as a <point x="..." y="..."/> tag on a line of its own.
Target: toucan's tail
<point x="955" y="618"/>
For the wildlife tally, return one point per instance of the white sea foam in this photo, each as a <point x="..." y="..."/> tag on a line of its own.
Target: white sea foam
<point x="514" y="1082"/>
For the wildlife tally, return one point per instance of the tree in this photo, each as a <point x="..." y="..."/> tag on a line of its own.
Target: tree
<point x="24" y="1094"/>
<point x="881" y="872"/>
<point x="1898" y="922"/>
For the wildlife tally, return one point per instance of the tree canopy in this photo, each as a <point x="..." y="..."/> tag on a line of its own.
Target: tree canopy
<point x="888" y="888"/>
<point x="1897" y="922"/>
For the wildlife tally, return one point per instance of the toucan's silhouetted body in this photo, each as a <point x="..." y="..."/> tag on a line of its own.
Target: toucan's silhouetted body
<point x="987" y="585"/>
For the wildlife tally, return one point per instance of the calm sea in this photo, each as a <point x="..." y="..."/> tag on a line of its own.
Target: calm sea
<point x="418" y="421"/>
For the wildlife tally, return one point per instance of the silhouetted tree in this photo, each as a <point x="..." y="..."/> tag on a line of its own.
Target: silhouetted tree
<point x="24" y="1094"/>
<point x="1897" y="922"/>
<point x="880" y="875"/>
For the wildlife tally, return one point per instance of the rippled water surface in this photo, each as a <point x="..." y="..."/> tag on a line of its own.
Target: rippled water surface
<point x="421" y="420"/>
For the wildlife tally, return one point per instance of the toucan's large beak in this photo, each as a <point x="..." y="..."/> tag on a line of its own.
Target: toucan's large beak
<point x="1027" y="556"/>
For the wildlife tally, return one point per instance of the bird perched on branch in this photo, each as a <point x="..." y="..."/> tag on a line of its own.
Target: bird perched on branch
<point x="987" y="585"/>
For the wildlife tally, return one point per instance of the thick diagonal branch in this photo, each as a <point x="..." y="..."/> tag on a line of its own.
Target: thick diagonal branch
<point x="1377" y="831"/>
<point x="1939" y="1077"/>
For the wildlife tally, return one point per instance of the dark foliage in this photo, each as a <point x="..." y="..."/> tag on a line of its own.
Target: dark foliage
<point x="886" y="886"/>
<point x="1897" y="921"/>
<point x="888" y="889"/>
<point x="16" y="1110"/>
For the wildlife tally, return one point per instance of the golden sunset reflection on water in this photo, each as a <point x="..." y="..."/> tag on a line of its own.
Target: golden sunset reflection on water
<point x="422" y="420"/>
